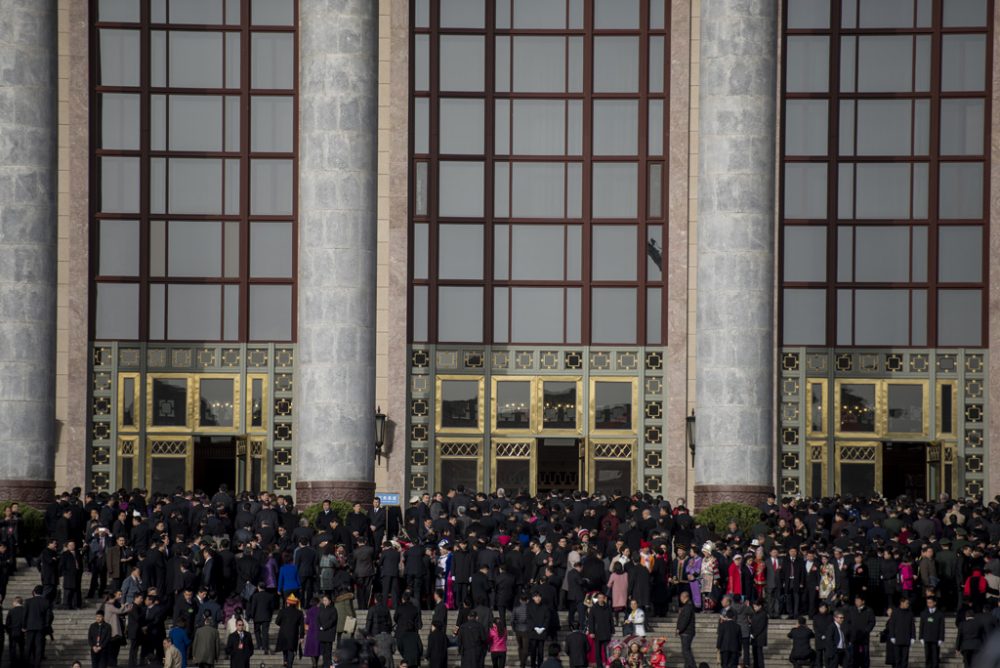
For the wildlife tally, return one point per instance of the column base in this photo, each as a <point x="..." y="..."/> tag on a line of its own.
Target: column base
<point x="709" y="495"/>
<point x="307" y="493"/>
<point x="31" y="492"/>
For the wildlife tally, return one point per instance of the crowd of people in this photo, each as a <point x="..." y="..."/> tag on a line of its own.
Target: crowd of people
<point x="560" y="579"/>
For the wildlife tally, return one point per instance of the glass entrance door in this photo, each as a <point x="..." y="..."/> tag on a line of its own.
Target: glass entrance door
<point x="558" y="465"/>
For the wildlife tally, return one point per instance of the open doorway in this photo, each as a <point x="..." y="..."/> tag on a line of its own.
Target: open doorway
<point x="558" y="465"/>
<point x="214" y="463"/>
<point x="904" y="469"/>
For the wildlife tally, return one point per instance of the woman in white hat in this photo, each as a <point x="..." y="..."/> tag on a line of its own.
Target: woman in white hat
<point x="709" y="576"/>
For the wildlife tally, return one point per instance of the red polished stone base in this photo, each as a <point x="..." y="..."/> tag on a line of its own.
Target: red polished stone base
<point x="32" y="492"/>
<point x="752" y="495"/>
<point x="309" y="492"/>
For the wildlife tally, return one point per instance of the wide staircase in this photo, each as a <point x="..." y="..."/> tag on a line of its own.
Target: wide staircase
<point x="70" y="630"/>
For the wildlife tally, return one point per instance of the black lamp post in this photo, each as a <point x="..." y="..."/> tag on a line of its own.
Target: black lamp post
<point x="690" y="433"/>
<point x="379" y="433"/>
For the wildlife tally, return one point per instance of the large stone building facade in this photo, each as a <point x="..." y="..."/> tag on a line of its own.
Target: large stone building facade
<point x="694" y="248"/>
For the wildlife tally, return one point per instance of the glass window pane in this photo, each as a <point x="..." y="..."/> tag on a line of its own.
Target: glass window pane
<point x="816" y="422"/>
<point x="216" y="404"/>
<point x="805" y="253"/>
<point x="962" y="126"/>
<point x="574" y="252"/>
<point x="922" y="75"/>
<point x="963" y="13"/>
<point x="616" y="14"/>
<point x="117" y="315"/>
<point x="501" y="190"/>
<point x="421" y="62"/>
<point x="575" y="64"/>
<point x="271" y="187"/>
<point x="656" y="129"/>
<point x="654" y="309"/>
<point x="960" y="254"/>
<point x="421" y="125"/>
<point x="884" y="127"/>
<point x="536" y="315"/>
<point x="158" y="122"/>
<point x="270" y="250"/>
<point x="231" y="312"/>
<point x="419" y="312"/>
<point x="513" y="404"/>
<point x="272" y="12"/>
<point x="196" y="11"/>
<point x="918" y="318"/>
<point x="538" y="189"/>
<point x="612" y="405"/>
<point x="463" y="62"/>
<point x="615" y="190"/>
<point x="881" y="317"/>
<point x="805" y="14"/>
<point x="460" y="252"/>
<point x="655" y="190"/>
<point x="857" y="407"/>
<point x="848" y="63"/>
<point x="614" y="252"/>
<point x="271" y="119"/>
<point x="919" y="245"/>
<point x="847" y="112"/>
<point x="194" y="248"/>
<point x="539" y="127"/>
<point x="885" y="63"/>
<point x="272" y="60"/>
<point x="804" y="317"/>
<point x="119" y="57"/>
<point x="157" y="311"/>
<point x="421" y="246"/>
<point x="961" y="190"/>
<point x="805" y="190"/>
<point x="559" y="404"/>
<point x="574" y="317"/>
<point x="960" y="314"/>
<point x="921" y="127"/>
<point x="194" y="312"/>
<point x="501" y="315"/>
<point x="540" y="14"/>
<point x="119" y="185"/>
<point x="158" y="185"/>
<point x="118" y="11"/>
<point x="270" y="312"/>
<point x="654" y="253"/>
<point x="611" y="476"/>
<point x="883" y="190"/>
<point x="462" y="14"/>
<point x="613" y="315"/>
<point x="885" y="14"/>
<point x="963" y="62"/>
<point x="806" y="126"/>
<point x="232" y="191"/>
<point x="461" y="124"/>
<point x="657" y="14"/>
<point x="906" y="409"/>
<point x="845" y="317"/>
<point x="457" y="473"/>
<point x="195" y="122"/>
<point x="921" y="179"/>
<point x="656" y="63"/>
<point x="616" y="127"/>
<point x="539" y="64"/>
<point x="420" y="188"/>
<point x="807" y="64"/>
<point x="233" y="60"/>
<point x="422" y="13"/>
<point x="537" y="252"/>
<point x="574" y="190"/>
<point x="845" y="254"/>
<point x="882" y="254"/>
<point x="169" y="402"/>
<point x="233" y="123"/>
<point x="120" y="121"/>
<point x="460" y="314"/>
<point x="616" y="64"/>
<point x="460" y="189"/>
<point x="118" y="253"/>
<point x="195" y="59"/>
<point x="195" y="185"/>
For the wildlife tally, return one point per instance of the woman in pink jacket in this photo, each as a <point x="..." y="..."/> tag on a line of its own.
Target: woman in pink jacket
<point x="498" y="643"/>
<point x="618" y="590"/>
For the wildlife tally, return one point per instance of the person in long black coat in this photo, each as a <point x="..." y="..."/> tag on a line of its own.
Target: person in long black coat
<point x="971" y="635"/>
<point x="437" y="647"/>
<point x="860" y="623"/>
<point x="576" y="647"/>
<point x="326" y="619"/>
<point x="472" y="642"/>
<point x="901" y="633"/>
<point x="239" y="647"/>
<point x="728" y="641"/>
<point x="932" y="625"/>
<point x="758" y="633"/>
<point x="802" y="654"/>
<point x="638" y="584"/>
<point x="602" y="625"/>
<point x="291" y="629"/>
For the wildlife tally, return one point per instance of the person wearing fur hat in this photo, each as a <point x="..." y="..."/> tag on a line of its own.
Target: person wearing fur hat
<point x="291" y="630"/>
<point x="708" y="576"/>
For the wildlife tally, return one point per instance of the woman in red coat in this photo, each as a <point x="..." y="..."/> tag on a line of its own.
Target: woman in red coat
<point x="734" y="583"/>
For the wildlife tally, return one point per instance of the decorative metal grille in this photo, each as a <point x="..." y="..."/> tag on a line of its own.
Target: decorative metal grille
<point x="418" y="457"/>
<point x="653" y="459"/>
<point x="627" y="361"/>
<point x="101" y="431"/>
<point x="474" y="359"/>
<point x="177" y="447"/>
<point x="257" y="357"/>
<point x="418" y="481"/>
<point x="418" y="408"/>
<point x="845" y="362"/>
<point x="973" y="413"/>
<point x="419" y="384"/>
<point x="654" y="385"/>
<point x="180" y="358"/>
<point x="102" y="406"/>
<point x="974" y="363"/>
<point x="816" y="453"/>
<point x="126" y="448"/>
<point x="459" y="449"/>
<point x="790" y="388"/>
<point x="790" y="486"/>
<point x="919" y="363"/>
<point x="869" y="362"/>
<point x="558" y="479"/>
<point x="790" y="461"/>
<point x="256" y="448"/>
<point x="128" y="358"/>
<point x="102" y="356"/>
<point x="574" y="359"/>
<point x="974" y="438"/>
<point x="654" y="360"/>
<point x="653" y="435"/>
<point x="283" y="432"/>
<point x="282" y="482"/>
<point x="418" y="432"/>
<point x="653" y="484"/>
<point x="206" y="357"/>
<point x="790" y="435"/>
<point x="420" y="359"/>
<point x="283" y="456"/>
<point x="600" y="361"/>
<point x="973" y="487"/>
<point x="283" y="382"/>
<point x="816" y="362"/>
<point x="894" y="362"/>
<point x="857" y="453"/>
<point x="513" y="450"/>
<point x="974" y="463"/>
<point x="447" y="359"/>
<point x="790" y="362"/>
<point x="500" y="359"/>
<point x="654" y="410"/>
<point x="284" y="358"/>
<point x="524" y="359"/>
<point x="156" y="358"/>
<point x="231" y="357"/>
<point x="789" y="411"/>
<point x="102" y="382"/>
<point x="973" y="388"/>
<point x="100" y="456"/>
<point x="947" y="363"/>
<point x="283" y="406"/>
<point x="613" y="450"/>
<point x="549" y="359"/>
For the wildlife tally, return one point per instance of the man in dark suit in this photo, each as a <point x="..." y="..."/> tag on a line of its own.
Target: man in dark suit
<point x="727" y="640"/>
<point x="99" y="639"/>
<point x="900" y="630"/>
<point x="795" y="582"/>
<point x="775" y="580"/>
<point x="136" y="630"/>
<point x="414" y="570"/>
<point x="686" y="628"/>
<point x="932" y="633"/>
<point x="326" y="619"/>
<point x="15" y="632"/>
<point x="388" y="567"/>
<point x="37" y="622"/>
<point x="835" y="643"/>
<point x="305" y="560"/>
<point x="574" y="590"/>
<point x="239" y="648"/>
<point x="261" y="610"/>
<point x="802" y="655"/>
<point x="576" y="647"/>
<point x="472" y="642"/>
<point x="377" y="521"/>
<point x="860" y="623"/>
<point x="758" y="633"/>
<point x="538" y="624"/>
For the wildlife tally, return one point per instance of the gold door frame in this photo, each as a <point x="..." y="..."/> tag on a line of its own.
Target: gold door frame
<point x="938" y="415"/>
<point x="880" y="417"/>
<point x="136" y="401"/>
<point x="510" y="450"/>
<point x="189" y="408"/>
<point x="539" y="401"/>
<point x="170" y="450"/>
<point x="597" y="447"/>
<point x="128" y="448"/>
<point x="258" y="450"/>
<point x="480" y="408"/>
<point x="922" y="435"/>
<point x="461" y="449"/>
<point x="592" y="403"/>
<point x="533" y="414"/>
<point x="853" y="448"/>
<point x="824" y="407"/>
<point x="816" y="454"/>
<point x="265" y="404"/>
<point x="235" y="428"/>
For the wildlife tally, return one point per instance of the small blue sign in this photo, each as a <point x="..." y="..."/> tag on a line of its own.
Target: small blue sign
<point x="388" y="499"/>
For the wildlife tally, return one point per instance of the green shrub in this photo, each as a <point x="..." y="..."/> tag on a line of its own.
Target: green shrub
<point x="32" y="538"/>
<point x="717" y="517"/>
<point x="342" y="508"/>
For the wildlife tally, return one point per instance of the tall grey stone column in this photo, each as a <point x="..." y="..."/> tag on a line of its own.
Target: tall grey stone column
<point x="735" y="327"/>
<point x="338" y="133"/>
<point x="28" y="141"/>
